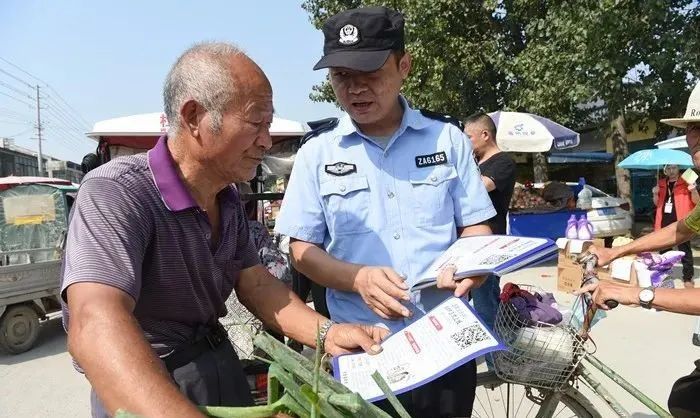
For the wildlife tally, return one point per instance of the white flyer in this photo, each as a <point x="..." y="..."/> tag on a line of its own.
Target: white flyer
<point x="440" y="341"/>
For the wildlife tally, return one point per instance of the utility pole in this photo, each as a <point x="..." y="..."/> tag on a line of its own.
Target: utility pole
<point x="40" y="157"/>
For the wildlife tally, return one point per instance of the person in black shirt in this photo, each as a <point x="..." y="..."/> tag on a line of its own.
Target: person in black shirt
<point x="498" y="174"/>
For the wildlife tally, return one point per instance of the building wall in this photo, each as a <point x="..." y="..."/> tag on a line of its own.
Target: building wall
<point x="16" y="163"/>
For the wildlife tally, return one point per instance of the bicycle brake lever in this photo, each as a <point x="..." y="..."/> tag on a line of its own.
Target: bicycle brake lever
<point x="611" y="303"/>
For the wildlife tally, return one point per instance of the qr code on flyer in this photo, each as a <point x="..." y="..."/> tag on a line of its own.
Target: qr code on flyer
<point x="469" y="336"/>
<point x="495" y="259"/>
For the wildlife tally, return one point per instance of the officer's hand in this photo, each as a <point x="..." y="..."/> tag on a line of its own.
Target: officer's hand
<point x="345" y="338"/>
<point x="691" y="187"/>
<point x="605" y="255"/>
<point x="446" y="280"/>
<point x="381" y="288"/>
<point x="604" y="290"/>
<point x="655" y="190"/>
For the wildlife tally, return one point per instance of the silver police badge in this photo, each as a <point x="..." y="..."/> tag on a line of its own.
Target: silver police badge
<point x="340" y="169"/>
<point x="349" y="35"/>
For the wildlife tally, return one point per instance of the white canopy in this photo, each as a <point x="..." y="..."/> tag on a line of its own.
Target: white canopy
<point x="152" y="124"/>
<point x="675" y="142"/>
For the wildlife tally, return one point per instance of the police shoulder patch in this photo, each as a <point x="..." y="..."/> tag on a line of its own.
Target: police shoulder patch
<point x="443" y="118"/>
<point x="318" y="127"/>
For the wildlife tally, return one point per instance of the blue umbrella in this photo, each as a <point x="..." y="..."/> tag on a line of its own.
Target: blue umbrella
<point x="525" y="132"/>
<point x="654" y="159"/>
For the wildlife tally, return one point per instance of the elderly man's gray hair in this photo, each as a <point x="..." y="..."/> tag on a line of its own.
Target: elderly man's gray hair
<point x="201" y="74"/>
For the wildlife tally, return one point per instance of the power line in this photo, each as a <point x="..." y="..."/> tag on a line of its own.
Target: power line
<point x="68" y="105"/>
<point x="7" y="110"/>
<point x="26" y="131"/>
<point x="16" y="90"/>
<point x="14" y="122"/>
<point x="22" y="70"/>
<point x="48" y="86"/>
<point x="15" y="98"/>
<point x="56" y="106"/>
<point x="65" y="121"/>
<point x="26" y="83"/>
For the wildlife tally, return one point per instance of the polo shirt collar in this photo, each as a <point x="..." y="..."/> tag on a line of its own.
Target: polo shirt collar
<point x="170" y="186"/>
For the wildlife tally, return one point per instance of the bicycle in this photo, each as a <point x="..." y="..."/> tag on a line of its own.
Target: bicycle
<point x="543" y="368"/>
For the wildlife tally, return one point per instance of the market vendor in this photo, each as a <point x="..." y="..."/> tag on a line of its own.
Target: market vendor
<point x="158" y="241"/>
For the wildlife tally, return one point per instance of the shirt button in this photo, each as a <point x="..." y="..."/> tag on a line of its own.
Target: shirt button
<point x="390" y="194"/>
<point x="207" y="236"/>
<point x="342" y="188"/>
<point x="433" y="179"/>
<point x="397" y="236"/>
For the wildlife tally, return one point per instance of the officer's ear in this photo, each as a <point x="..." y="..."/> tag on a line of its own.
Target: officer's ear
<point x="404" y="64"/>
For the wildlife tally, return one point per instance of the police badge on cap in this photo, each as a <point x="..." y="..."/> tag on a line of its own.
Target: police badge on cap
<point x="361" y="39"/>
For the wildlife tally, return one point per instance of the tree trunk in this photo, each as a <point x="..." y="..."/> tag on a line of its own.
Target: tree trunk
<point x="539" y="167"/>
<point x="620" y="150"/>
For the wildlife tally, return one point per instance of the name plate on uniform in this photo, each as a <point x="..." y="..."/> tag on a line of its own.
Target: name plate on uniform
<point x="431" y="159"/>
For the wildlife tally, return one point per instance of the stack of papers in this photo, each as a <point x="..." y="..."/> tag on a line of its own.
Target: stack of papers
<point x="489" y="254"/>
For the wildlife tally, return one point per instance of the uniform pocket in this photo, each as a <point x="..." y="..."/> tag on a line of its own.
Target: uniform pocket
<point x="347" y="202"/>
<point x="431" y="197"/>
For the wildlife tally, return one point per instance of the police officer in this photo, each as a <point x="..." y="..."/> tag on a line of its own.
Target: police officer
<point x="377" y="196"/>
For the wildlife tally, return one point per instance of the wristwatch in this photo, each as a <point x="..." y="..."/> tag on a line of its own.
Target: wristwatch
<point x="646" y="297"/>
<point x="323" y="332"/>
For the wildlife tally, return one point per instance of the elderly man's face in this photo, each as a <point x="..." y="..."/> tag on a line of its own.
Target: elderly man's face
<point x="692" y="137"/>
<point x="370" y="97"/>
<point x="235" y="152"/>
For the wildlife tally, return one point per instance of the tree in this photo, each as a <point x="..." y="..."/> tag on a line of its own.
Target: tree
<point x="608" y="62"/>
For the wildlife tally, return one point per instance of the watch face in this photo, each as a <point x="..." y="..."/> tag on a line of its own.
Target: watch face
<point x="646" y="295"/>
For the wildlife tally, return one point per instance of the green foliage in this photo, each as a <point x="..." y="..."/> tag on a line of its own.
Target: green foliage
<point x="579" y="63"/>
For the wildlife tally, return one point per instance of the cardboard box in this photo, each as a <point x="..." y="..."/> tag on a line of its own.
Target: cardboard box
<point x="570" y="249"/>
<point x="570" y="275"/>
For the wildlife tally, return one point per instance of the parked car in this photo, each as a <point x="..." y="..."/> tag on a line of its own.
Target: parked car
<point x="609" y="215"/>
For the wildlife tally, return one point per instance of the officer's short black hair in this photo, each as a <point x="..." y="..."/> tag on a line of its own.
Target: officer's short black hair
<point x="484" y="120"/>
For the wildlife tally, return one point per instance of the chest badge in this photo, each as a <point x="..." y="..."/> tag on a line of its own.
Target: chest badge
<point x="341" y="169"/>
<point x="431" y="159"/>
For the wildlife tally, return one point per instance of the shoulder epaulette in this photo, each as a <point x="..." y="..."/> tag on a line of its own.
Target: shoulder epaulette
<point x="318" y="127"/>
<point x="443" y="118"/>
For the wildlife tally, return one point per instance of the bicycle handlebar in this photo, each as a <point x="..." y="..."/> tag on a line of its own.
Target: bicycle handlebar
<point x="590" y="261"/>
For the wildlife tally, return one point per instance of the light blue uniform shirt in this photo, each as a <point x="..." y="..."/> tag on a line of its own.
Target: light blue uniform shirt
<point x="398" y="207"/>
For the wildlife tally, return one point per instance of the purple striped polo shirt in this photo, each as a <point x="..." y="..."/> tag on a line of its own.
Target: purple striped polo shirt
<point x="135" y="226"/>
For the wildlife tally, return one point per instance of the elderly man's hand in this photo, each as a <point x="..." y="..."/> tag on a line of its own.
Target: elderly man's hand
<point x="346" y="338"/>
<point x="446" y="280"/>
<point x="381" y="288"/>
<point x="604" y="290"/>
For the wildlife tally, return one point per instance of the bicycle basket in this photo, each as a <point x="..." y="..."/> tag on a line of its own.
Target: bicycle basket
<point x="540" y="355"/>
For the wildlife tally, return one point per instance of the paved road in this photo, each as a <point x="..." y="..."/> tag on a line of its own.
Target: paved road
<point x="651" y="349"/>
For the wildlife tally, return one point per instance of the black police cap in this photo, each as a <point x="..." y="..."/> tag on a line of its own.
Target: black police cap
<point x="361" y="39"/>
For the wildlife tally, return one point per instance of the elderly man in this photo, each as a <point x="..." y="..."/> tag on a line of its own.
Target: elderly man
<point x="379" y="195"/>
<point x="158" y="241"/>
<point x="684" y="400"/>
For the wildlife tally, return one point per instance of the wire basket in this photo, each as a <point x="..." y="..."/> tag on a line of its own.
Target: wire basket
<point x="539" y="355"/>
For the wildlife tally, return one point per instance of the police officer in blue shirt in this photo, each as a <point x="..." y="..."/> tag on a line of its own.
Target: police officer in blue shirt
<point x="377" y="196"/>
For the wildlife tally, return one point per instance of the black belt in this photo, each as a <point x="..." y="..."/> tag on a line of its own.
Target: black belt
<point x="190" y="351"/>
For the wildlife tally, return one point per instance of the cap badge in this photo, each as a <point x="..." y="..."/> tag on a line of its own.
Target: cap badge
<point x="349" y="35"/>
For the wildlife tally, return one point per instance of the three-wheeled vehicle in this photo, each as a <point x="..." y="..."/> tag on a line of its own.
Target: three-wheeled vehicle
<point x="33" y="224"/>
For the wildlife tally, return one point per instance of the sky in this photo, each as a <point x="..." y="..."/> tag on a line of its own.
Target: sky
<point x="103" y="60"/>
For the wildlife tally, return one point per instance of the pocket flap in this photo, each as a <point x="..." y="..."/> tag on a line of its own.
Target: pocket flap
<point x="343" y="186"/>
<point x="433" y="175"/>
